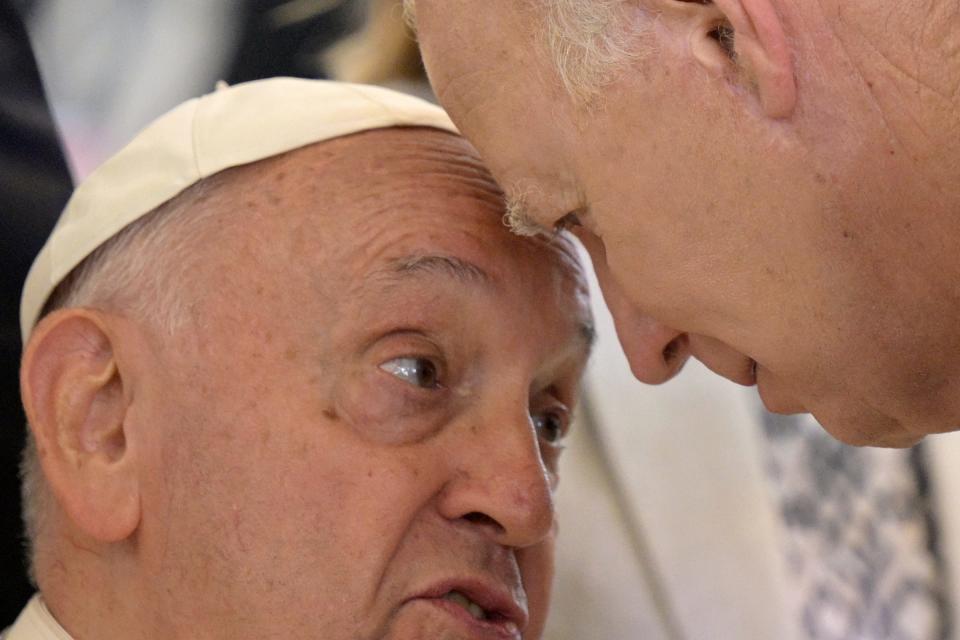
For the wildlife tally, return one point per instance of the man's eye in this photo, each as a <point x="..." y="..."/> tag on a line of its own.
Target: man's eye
<point x="551" y="426"/>
<point x="420" y="372"/>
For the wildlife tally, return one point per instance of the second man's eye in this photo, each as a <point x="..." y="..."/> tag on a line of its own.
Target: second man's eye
<point x="551" y="426"/>
<point x="420" y="372"/>
<point x="567" y="222"/>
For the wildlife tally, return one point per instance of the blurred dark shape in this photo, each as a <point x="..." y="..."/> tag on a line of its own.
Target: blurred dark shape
<point x="383" y="51"/>
<point x="34" y="186"/>
<point x="285" y="37"/>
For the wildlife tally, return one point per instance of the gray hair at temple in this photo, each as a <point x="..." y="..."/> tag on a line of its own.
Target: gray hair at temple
<point x="142" y="271"/>
<point x="590" y="41"/>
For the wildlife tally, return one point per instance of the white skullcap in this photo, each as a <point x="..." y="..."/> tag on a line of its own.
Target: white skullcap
<point x="230" y="127"/>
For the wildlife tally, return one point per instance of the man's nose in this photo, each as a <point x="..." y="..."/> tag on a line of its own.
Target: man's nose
<point x="500" y="483"/>
<point x="655" y="351"/>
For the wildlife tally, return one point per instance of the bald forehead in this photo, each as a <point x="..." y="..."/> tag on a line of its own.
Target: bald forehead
<point x="373" y="163"/>
<point x="335" y="191"/>
<point x="389" y="174"/>
<point x="334" y="216"/>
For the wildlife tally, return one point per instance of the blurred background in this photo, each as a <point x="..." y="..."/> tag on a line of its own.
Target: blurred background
<point x="685" y="511"/>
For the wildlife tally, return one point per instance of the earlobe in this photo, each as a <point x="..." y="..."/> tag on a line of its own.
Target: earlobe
<point x="748" y="35"/>
<point x="73" y="394"/>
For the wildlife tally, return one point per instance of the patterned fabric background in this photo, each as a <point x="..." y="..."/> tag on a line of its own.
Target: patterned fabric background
<point x="859" y="535"/>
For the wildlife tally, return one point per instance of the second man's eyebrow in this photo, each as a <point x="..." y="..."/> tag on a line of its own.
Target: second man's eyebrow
<point x="519" y="220"/>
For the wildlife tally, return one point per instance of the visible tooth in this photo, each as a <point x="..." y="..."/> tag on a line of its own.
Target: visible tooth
<point x="476" y="611"/>
<point x="511" y="627"/>
<point x="472" y="608"/>
<point x="458" y="598"/>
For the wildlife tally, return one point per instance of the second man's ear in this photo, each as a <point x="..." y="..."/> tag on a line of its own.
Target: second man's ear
<point x="746" y="40"/>
<point x="74" y="397"/>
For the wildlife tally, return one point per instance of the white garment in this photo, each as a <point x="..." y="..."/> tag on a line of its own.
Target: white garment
<point x="35" y="623"/>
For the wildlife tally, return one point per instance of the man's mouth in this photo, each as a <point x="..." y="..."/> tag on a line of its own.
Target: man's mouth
<point x="479" y="613"/>
<point x="489" y="610"/>
<point x="472" y="607"/>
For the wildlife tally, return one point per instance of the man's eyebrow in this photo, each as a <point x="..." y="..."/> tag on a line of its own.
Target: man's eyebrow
<point x="458" y="268"/>
<point x="467" y="272"/>
<point x="519" y="220"/>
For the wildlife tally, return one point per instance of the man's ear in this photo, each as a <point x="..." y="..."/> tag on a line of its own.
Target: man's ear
<point x="746" y="38"/>
<point x="75" y="401"/>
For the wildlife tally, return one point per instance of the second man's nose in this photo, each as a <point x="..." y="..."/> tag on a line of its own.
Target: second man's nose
<point x="655" y="351"/>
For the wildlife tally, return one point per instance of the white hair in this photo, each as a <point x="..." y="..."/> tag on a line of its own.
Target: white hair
<point x="590" y="41"/>
<point x="410" y="14"/>
<point x="517" y="217"/>
<point x="144" y="268"/>
<point x="143" y="272"/>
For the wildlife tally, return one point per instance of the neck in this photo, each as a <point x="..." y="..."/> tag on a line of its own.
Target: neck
<point x="89" y="589"/>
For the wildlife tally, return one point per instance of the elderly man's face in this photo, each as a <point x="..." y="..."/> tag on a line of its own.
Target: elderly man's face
<point x="361" y="439"/>
<point x="714" y="229"/>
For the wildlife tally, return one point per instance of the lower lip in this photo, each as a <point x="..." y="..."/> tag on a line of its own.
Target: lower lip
<point x="480" y="629"/>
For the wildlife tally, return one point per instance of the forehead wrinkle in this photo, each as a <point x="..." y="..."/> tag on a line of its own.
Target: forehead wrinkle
<point x="377" y="197"/>
<point x="388" y="151"/>
<point x="434" y="161"/>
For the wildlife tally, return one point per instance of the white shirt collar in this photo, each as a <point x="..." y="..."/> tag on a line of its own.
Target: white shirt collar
<point x="36" y="623"/>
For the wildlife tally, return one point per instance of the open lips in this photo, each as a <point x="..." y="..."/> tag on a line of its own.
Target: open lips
<point x="489" y="609"/>
<point x="479" y="612"/>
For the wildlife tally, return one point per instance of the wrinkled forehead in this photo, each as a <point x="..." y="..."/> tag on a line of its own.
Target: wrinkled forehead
<point x="380" y="163"/>
<point x="348" y="232"/>
<point x="368" y="197"/>
<point x="433" y="193"/>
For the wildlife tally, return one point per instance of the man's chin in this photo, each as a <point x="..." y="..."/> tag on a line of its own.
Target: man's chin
<point x="851" y="422"/>
<point x="883" y="440"/>
<point x="868" y="429"/>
